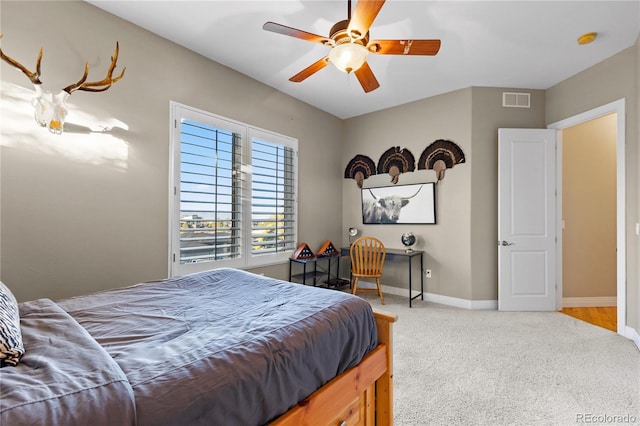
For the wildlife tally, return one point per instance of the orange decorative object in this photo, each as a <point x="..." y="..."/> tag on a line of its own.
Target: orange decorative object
<point x="328" y="249"/>
<point x="303" y="252"/>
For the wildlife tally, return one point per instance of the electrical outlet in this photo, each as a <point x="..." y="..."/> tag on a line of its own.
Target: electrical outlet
<point x="427" y="273"/>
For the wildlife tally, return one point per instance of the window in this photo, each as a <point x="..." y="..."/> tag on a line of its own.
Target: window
<point x="233" y="188"/>
<point x="272" y="198"/>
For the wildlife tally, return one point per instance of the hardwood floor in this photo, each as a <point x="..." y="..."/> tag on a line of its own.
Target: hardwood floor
<point x="605" y="317"/>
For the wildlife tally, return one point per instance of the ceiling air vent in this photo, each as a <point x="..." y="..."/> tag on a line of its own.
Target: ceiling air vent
<point x="516" y="100"/>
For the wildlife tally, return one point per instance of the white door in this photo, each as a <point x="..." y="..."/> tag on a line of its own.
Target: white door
<point x="526" y="220"/>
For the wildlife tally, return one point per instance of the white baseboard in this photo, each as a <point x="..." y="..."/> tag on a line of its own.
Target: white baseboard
<point x="461" y="303"/>
<point x="398" y="291"/>
<point x="437" y="298"/>
<point x="586" y="302"/>
<point x="388" y="289"/>
<point x="633" y="335"/>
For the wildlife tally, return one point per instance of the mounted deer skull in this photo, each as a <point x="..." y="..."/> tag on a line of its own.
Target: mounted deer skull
<point x="49" y="109"/>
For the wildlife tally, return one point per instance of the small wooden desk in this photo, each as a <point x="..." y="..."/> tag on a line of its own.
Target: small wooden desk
<point x="401" y="255"/>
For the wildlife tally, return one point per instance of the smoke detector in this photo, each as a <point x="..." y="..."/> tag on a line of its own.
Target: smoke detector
<point x="587" y="38"/>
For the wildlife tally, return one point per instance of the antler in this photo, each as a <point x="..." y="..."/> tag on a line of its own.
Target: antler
<point x="402" y="198"/>
<point x="33" y="76"/>
<point x="97" y="86"/>
<point x="49" y="109"/>
<point x="417" y="192"/>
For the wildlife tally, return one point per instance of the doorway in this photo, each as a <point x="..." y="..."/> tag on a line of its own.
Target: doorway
<point x="615" y="111"/>
<point x="589" y="220"/>
<point x="603" y="316"/>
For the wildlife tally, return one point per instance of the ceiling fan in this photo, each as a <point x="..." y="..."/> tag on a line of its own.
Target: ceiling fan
<point x="350" y="44"/>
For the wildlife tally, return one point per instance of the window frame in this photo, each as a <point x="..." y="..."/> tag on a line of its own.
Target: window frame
<point x="247" y="134"/>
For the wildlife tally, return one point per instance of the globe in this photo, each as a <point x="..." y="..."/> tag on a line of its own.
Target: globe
<point x="408" y="239"/>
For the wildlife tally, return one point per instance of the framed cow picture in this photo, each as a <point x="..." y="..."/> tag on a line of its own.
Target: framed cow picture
<point x="399" y="204"/>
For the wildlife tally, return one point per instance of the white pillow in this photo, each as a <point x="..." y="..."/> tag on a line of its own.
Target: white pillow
<point x="11" y="348"/>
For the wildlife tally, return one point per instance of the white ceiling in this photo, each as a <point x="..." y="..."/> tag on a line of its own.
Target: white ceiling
<point x="513" y="44"/>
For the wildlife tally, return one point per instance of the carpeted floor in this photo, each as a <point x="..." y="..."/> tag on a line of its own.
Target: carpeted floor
<point x="462" y="367"/>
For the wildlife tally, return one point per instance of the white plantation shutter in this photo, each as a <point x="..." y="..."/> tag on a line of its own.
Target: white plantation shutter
<point x="210" y="195"/>
<point x="234" y="193"/>
<point x="272" y="198"/>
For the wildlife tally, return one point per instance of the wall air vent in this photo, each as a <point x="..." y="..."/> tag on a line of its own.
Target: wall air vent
<point x="516" y="100"/>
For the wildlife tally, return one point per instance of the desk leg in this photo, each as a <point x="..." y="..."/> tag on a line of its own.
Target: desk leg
<point x="422" y="276"/>
<point x="411" y="297"/>
<point x="315" y="273"/>
<point x="410" y="280"/>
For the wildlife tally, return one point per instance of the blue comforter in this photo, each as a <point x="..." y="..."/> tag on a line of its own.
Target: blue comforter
<point x="65" y="376"/>
<point x="224" y="346"/>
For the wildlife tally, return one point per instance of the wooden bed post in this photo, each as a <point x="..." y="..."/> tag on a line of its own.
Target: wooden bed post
<point x="384" y="385"/>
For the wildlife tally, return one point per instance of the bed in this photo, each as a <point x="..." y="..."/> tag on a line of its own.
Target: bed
<point x="220" y="347"/>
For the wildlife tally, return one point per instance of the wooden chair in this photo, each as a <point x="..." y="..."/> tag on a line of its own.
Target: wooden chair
<point x="367" y="259"/>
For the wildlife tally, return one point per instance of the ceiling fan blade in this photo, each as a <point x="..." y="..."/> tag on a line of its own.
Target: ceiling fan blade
<point x="404" y="47"/>
<point x="366" y="78"/>
<point x="364" y="15"/>
<point x="311" y="69"/>
<point x="293" y="32"/>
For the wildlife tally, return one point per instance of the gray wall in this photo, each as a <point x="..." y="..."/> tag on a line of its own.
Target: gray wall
<point x="461" y="249"/>
<point x="415" y="126"/>
<point x="633" y="290"/>
<point x="613" y="79"/>
<point x="84" y="212"/>
<point x="488" y="116"/>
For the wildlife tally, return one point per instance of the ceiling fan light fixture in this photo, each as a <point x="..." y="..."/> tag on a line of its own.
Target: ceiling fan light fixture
<point x="348" y="57"/>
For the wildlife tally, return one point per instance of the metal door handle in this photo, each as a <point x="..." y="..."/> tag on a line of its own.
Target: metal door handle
<point x="505" y="243"/>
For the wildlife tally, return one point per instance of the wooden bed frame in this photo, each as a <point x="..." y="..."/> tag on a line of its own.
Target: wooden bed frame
<point x="362" y="395"/>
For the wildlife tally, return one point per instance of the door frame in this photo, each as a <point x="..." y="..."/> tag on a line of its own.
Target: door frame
<point x="621" y="263"/>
